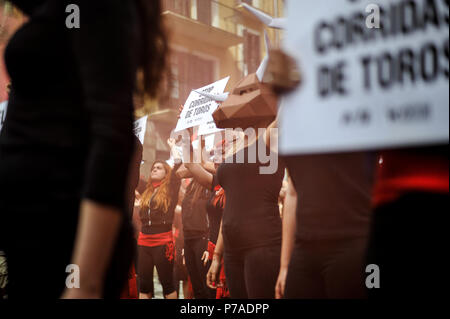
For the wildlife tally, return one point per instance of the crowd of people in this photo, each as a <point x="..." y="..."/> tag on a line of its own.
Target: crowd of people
<point x="307" y="230"/>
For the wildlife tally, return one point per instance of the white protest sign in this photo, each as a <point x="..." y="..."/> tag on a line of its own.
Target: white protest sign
<point x="3" y="106"/>
<point x="139" y="128"/>
<point x="198" y="109"/>
<point x="365" y="87"/>
<point x="208" y="128"/>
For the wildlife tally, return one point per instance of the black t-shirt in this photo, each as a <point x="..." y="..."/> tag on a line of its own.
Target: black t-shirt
<point x="214" y="217"/>
<point x="251" y="217"/>
<point x="193" y="212"/>
<point x="334" y="194"/>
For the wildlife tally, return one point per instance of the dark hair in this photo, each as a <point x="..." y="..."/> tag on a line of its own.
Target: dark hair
<point x="155" y="49"/>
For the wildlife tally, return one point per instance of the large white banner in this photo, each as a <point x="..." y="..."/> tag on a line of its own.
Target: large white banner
<point x="3" y="106"/>
<point x="375" y="74"/>
<point x="198" y="109"/>
<point x="139" y="128"/>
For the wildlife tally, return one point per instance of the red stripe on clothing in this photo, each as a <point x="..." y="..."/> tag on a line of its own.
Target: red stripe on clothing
<point x="155" y="239"/>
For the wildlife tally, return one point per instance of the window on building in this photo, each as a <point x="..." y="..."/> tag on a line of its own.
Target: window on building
<point x="189" y="72"/>
<point x="182" y="7"/>
<point x="175" y="91"/>
<point x="204" y="11"/>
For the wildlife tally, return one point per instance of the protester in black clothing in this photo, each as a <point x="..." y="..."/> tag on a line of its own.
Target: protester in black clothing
<point x="326" y="215"/>
<point x="251" y="224"/>
<point x="156" y="247"/>
<point x="328" y="225"/>
<point x="195" y="230"/>
<point x="68" y="135"/>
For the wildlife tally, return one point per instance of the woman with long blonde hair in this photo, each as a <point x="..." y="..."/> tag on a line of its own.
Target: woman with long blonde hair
<point x="155" y="241"/>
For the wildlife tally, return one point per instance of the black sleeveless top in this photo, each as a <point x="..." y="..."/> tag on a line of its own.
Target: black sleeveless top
<point x="156" y="221"/>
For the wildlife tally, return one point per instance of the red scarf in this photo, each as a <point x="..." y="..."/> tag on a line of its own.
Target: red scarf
<point x="219" y="197"/>
<point x="156" y="184"/>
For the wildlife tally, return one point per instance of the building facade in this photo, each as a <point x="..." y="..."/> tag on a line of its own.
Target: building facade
<point x="209" y="40"/>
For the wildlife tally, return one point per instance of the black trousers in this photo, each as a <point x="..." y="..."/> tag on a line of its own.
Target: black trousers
<point x="407" y="243"/>
<point x="327" y="269"/>
<point x="252" y="273"/>
<point x="163" y="258"/>
<point x="193" y="252"/>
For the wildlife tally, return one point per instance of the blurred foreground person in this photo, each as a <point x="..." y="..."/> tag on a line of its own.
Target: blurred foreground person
<point x="68" y="135"/>
<point x="156" y="247"/>
<point x="130" y="288"/>
<point x="407" y="237"/>
<point x="326" y="214"/>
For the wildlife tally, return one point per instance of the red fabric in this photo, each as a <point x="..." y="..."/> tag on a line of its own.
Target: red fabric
<point x="130" y="289"/>
<point x="400" y="172"/>
<point x="222" y="292"/>
<point x="219" y="197"/>
<point x="132" y="284"/>
<point x="170" y="251"/>
<point x="190" y="290"/>
<point x="211" y="248"/>
<point x="156" y="184"/>
<point x="155" y="240"/>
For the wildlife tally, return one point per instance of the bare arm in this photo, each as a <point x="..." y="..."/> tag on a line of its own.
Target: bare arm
<point x="218" y="251"/>
<point x="212" y="280"/>
<point x="202" y="176"/>
<point x="209" y="166"/>
<point x="289" y="226"/>
<point x="97" y="234"/>
<point x="183" y="172"/>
